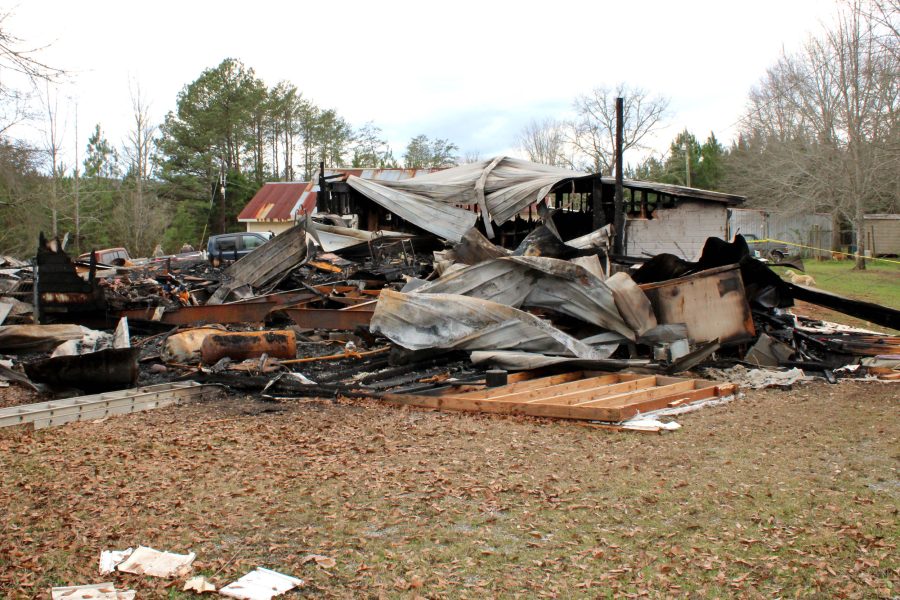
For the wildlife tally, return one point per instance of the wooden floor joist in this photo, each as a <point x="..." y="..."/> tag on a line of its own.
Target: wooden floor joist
<point x="607" y="397"/>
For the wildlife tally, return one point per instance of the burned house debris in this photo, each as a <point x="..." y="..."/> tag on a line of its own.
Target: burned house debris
<point x="493" y="287"/>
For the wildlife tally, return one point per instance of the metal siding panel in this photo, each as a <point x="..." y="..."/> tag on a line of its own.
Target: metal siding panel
<point x="801" y="229"/>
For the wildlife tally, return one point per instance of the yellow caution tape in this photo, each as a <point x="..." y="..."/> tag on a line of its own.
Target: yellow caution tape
<point x="896" y="262"/>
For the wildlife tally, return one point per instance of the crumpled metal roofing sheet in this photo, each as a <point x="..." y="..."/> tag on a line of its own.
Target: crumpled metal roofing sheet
<point x="420" y="321"/>
<point x="538" y="282"/>
<point x="441" y="219"/>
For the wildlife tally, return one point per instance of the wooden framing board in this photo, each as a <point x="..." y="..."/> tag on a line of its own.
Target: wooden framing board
<point x="611" y="397"/>
<point x="518" y="382"/>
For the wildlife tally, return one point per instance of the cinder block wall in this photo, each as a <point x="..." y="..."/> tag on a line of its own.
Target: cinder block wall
<point x="681" y="231"/>
<point x="275" y="227"/>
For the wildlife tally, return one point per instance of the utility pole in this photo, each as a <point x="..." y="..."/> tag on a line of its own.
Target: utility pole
<point x="77" y="197"/>
<point x="222" y="178"/>
<point x="619" y="218"/>
<point x="687" y="159"/>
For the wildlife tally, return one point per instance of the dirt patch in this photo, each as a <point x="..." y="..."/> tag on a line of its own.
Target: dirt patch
<point x="775" y="494"/>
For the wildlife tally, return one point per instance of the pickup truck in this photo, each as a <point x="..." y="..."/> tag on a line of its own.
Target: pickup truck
<point x="233" y="246"/>
<point x="771" y="250"/>
<point x="117" y="257"/>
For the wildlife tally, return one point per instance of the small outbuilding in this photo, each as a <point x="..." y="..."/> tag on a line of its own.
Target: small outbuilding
<point x="276" y="205"/>
<point x="882" y="234"/>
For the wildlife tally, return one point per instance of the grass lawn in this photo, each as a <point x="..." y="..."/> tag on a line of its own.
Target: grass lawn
<point x="879" y="282"/>
<point x="773" y="495"/>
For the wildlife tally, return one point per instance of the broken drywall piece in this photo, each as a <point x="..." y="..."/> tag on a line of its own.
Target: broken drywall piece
<point x="147" y="561"/>
<point x="260" y="584"/>
<point x="91" y="341"/>
<point x="109" y="559"/>
<point x="122" y="336"/>
<point x="632" y="302"/>
<point x="97" y="591"/>
<point x="768" y="352"/>
<point x="198" y="584"/>
<point x="644" y="423"/>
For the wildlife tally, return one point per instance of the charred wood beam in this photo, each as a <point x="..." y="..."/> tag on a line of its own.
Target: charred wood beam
<point x="867" y="311"/>
<point x="597" y="214"/>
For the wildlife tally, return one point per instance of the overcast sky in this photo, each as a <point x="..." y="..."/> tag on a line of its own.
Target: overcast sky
<point x="472" y="72"/>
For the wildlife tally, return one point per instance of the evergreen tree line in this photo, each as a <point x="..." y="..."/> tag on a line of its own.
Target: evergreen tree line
<point x="188" y="177"/>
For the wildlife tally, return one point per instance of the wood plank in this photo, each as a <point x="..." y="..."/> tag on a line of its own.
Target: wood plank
<point x="579" y="385"/>
<point x="458" y="389"/>
<point x="628" y="398"/>
<point x="590" y="413"/>
<point x="545" y="393"/>
<point x="529" y="384"/>
<point x="626" y="412"/>
<point x="595" y="393"/>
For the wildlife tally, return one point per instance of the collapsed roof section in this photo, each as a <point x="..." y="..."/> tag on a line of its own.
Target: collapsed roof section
<point x="441" y="201"/>
<point x="500" y="187"/>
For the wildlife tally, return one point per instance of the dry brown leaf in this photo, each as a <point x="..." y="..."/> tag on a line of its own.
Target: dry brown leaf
<point x="326" y="562"/>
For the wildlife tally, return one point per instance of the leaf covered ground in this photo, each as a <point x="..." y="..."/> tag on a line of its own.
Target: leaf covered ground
<point x="776" y="494"/>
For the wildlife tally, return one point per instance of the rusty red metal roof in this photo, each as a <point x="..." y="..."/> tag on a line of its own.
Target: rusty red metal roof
<point x="278" y="201"/>
<point x="282" y="201"/>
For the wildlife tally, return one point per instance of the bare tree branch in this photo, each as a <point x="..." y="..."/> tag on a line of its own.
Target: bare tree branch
<point x="594" y="131"/>
<point x="545" y="142"/>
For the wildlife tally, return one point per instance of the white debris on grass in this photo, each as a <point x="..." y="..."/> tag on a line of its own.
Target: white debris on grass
<point x="645" y="423"/>
<point x="147" y="561"/>
<point x="649" y="421"/>
<point x="261" y="584"/>
<point x="199" y="584"/>
<point x="758" y="378"/>
<point x="109" y="559"/>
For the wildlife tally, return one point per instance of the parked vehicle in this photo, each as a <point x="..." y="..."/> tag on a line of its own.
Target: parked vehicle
<point x="117" y="257"/>
<point x="771" y="250"/>
<point x="232" y="246"/>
